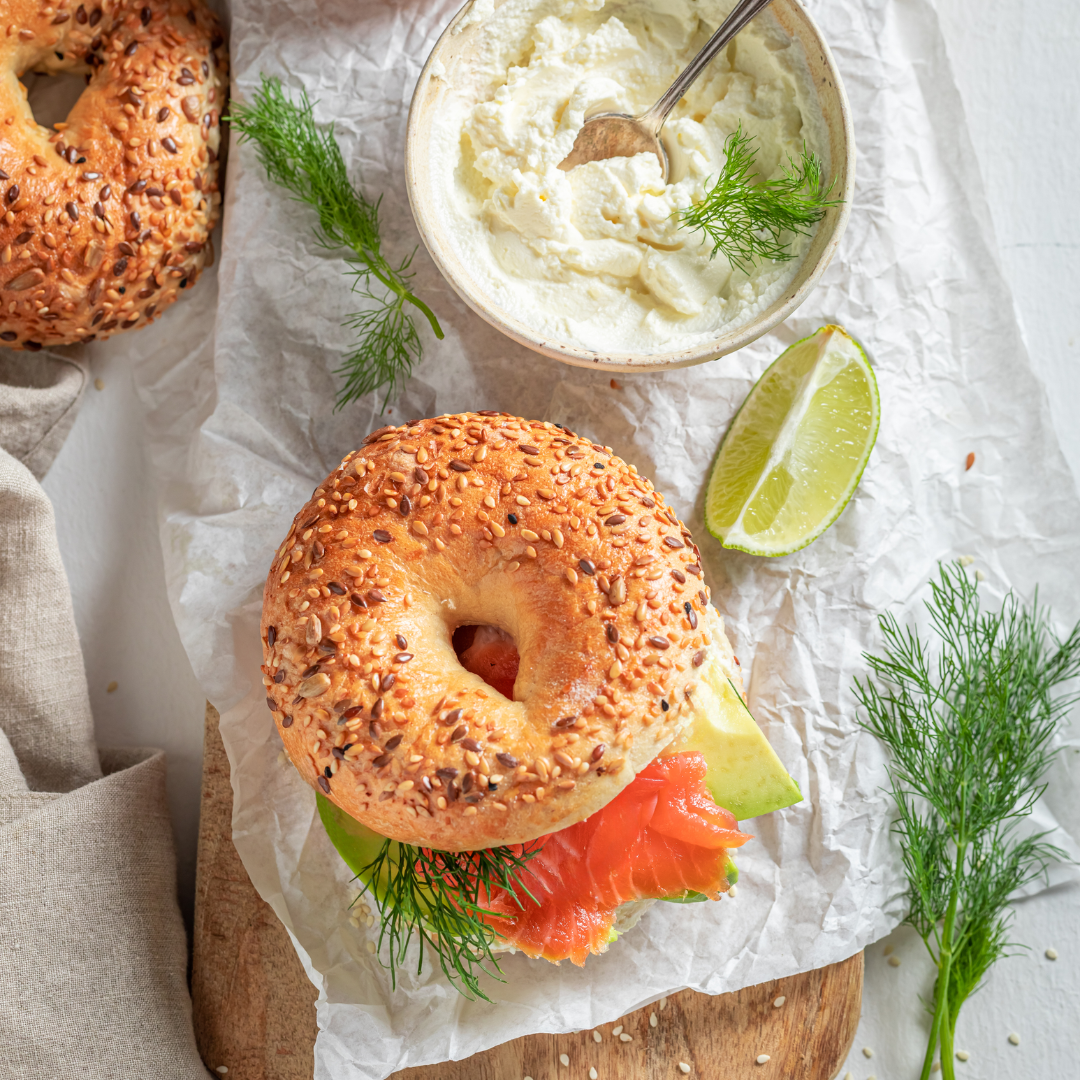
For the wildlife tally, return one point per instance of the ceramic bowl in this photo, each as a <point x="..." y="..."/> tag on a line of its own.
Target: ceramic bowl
<point x="454" y="50"/>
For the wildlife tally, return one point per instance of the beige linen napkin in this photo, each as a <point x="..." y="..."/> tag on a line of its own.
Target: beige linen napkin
<point x="93" y="958"/>
<point x="39" y="398"/>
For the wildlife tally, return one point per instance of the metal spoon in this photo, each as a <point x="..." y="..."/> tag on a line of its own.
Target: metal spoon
<point x="609" y="135"/>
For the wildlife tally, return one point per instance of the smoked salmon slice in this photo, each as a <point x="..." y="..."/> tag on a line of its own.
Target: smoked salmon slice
<point x="490" y="653"/>
<point x="661" y="836"/>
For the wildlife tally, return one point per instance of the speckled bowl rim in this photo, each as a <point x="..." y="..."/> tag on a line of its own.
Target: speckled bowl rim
<point x="837" y="118"/>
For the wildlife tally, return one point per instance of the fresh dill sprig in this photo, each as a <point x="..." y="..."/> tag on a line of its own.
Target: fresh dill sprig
<point x="970" y="732"/>
<point x="748" y="220"/>
<point x="307" y="160"/>
<point x="439" y="896"/>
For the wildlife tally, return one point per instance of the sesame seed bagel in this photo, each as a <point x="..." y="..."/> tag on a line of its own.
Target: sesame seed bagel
<point x="106" y="219"/>
<point x="482" y="519"/>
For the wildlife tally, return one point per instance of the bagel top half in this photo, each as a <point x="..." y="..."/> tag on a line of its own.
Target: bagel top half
<point x="479" y="519"/>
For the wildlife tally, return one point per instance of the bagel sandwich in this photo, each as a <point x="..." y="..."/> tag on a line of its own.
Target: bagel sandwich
<point x="489" y="647"/>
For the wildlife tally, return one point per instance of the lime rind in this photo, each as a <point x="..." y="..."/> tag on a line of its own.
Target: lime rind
<point x="765" y="451"/>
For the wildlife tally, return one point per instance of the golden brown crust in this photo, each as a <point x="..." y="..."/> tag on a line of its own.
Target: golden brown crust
<point x="481" y="519"/>
<point x="105" y="220"/>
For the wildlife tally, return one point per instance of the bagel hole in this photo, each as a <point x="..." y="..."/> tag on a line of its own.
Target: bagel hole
<point x="490" y="653"/>
<point x="52" y="97"/>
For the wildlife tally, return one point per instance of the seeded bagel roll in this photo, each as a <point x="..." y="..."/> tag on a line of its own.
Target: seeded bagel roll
<point x="106" y="219"/>
<point x="482" y="519"/>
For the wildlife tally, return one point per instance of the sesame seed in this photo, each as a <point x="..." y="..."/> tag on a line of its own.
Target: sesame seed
<point x="762" y="1058"/>
<point x="894" y="961"/>
<point x="733" y="891"/>
<point x="617" y="1030"/>
<point x="867" y="1052"/>
<point x="779" y="1001"/>
<point x="223" y="1069"/>
<point x="597" y="1037"/>
<point x="683" y="1067"/>
<point x="962" y="1055"/>
<point x="564" y="1059"/>
<point x="592" y="1072"/>
<point x="114" y="684"/>
<point x="653" y="1020"/>
<point x="887" y="951"/>
<point x="1014" y="1039"/>
<point x="936" y="1067"/>
<point x="1051" y="954"/>
<point x="626" y="1038"/>
<point x="371" y="947"/>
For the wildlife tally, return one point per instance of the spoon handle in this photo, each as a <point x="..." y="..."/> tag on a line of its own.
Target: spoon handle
<point x="740" y="15"/>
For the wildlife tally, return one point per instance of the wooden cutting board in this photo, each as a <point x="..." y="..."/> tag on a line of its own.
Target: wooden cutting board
<point x="254" y="1008"/>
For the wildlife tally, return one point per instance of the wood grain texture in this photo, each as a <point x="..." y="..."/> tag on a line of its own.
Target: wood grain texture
<point x="254" y="1006"/>
<point x="720" y="1038"/>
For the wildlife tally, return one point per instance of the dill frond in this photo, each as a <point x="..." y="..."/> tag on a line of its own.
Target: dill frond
<point x="970" y="730"/>
<point x="748" y="220"/>
<point x="439" y="896"/>
<point x="307" y="160"/>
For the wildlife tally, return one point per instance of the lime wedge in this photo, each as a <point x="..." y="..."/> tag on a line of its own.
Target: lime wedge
<point x="795" y="451"/>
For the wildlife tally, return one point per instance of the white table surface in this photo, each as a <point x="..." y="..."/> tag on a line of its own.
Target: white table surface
<point x="1018" y="69"/>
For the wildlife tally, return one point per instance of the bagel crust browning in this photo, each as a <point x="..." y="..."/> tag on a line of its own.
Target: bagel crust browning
<point x="482" y="519"/>
<point x="106" y="219"/>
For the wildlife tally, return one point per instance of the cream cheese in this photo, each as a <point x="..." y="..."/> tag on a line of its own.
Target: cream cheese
<point x="595" y="257"/>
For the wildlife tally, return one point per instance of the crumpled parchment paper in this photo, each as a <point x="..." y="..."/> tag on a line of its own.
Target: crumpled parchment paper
<point x="239" y="400"/>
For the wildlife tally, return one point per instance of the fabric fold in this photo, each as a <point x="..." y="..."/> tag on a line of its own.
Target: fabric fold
<point x="93" y="955"/>
<point x="39" y="400"/>
<point x="45" y="706"/>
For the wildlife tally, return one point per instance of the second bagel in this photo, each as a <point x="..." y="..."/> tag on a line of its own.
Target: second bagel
<point x="107" y="219"/>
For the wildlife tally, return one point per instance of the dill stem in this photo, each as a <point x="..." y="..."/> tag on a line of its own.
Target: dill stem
<point x="932" y="1043"/>
<point x="389" y="281"/>
<point x="417" y="302"/>
<point x="941" y="1029"/>
<point x="943" y="1025"/>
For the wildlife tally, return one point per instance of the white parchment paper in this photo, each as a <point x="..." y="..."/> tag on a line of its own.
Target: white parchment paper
<point x="239" y="399"/>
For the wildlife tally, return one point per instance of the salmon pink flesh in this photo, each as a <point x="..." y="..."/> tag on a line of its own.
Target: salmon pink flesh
<point x="663" y="835"/>
<point x="490" y="653"/>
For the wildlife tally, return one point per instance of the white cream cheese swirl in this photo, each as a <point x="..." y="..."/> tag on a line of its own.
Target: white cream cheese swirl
<point x="596" y="257"/>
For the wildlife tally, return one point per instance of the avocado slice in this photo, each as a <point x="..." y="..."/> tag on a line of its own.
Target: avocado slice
<point x="356" y="843"/>
<point x="744" y="774"/>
